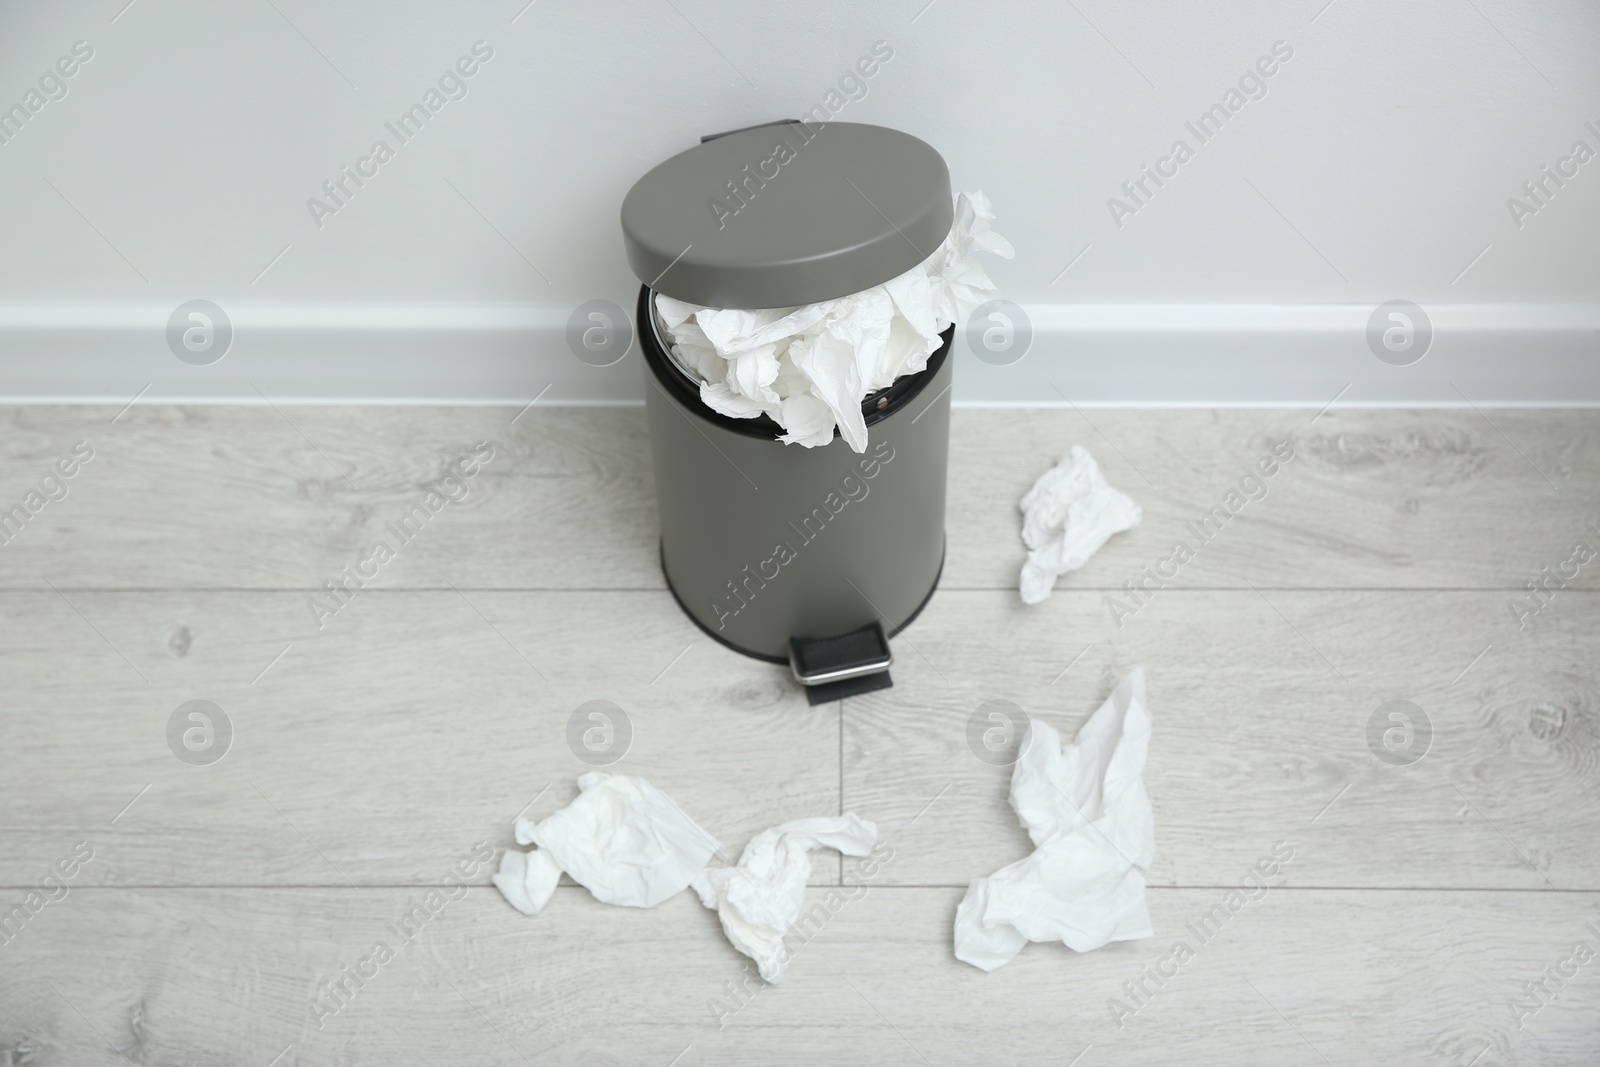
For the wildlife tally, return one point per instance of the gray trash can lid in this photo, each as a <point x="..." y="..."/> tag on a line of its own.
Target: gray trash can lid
<point x="787" y="214"/>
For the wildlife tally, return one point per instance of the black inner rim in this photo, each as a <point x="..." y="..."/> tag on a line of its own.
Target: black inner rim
<point x="677" y="384"/>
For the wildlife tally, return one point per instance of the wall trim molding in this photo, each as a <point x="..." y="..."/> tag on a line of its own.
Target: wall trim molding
<point x="1524" y="355"/>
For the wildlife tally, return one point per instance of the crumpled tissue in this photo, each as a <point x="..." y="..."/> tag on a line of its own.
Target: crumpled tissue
<point x="1068" y="514"/>
<point x="622" y="839"/>
<point x="760" y="899"/>
<point x="1086" y="809"/>
<point x="809" y="368"/>
<point x="526" y="879"/>
<point x="629" y="843"/>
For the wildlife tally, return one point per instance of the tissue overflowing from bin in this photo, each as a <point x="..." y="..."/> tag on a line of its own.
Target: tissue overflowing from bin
<point x="808" y="368"/>
<point x="629" y="843"/>
<point x="1086" y="810"/>
<point x="1066" y="517"/>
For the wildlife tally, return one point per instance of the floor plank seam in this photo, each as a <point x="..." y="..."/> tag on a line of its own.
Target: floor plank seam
<point x="917" y="886"/>
<point x="1522" y="588"/>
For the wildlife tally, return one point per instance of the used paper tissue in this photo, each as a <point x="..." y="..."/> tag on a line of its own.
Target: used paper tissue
<point x="1066" y="517"/>
<point x="629" y="843"/>
<point x="760" y="898"/>
<point x="1086" y="810"/>
<point x="809" y="368"/>
<point x="623" y="840"/>
<point x="526" y="879"/>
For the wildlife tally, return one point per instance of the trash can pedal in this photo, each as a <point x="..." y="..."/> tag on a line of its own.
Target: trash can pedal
<point x="844" y="665"/>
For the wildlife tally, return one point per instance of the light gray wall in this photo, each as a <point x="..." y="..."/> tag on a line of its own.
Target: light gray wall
<point x="1377" y="165"/>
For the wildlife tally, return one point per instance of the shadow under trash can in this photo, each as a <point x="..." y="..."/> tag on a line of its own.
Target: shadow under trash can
<point x="811" y="556"/>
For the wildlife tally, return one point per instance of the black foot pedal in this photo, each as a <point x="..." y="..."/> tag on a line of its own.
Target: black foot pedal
<point x="832" y="668"/>
<point x="828" y="692"/>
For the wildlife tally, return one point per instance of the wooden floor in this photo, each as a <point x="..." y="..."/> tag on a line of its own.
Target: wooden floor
<point x="404" y="734"/>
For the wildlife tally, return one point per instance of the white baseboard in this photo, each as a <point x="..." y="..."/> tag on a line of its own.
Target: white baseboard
<point x="1126" y="355"/>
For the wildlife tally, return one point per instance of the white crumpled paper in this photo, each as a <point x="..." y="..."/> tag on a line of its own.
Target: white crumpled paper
<point x="629" y="843"/>
<point x="760" y="898"/>
<point x="809" y="368"/>
<point x="526" y="879"/>
<point x="1086" y="809"/>
<point x="1068" y="514"/>
<point x="623" y="840"/>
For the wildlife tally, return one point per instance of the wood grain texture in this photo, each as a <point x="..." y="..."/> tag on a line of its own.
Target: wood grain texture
<point x="1296" y="977"/>
<point x="263" y="497"/>
<point x="415" y="724"/>
<point x="412" y="726"/>
<point x="375" y="747"/>
<point x="1260" y="702"/>
<point x="286" y="497"/>
<point x="1371" y="499"/>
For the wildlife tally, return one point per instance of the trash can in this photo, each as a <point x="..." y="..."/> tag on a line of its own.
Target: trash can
<point x="813" y="557"/>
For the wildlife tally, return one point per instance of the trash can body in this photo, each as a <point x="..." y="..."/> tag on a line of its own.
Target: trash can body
<point x="762" y="542"/>
<point x="806" y="555"/>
